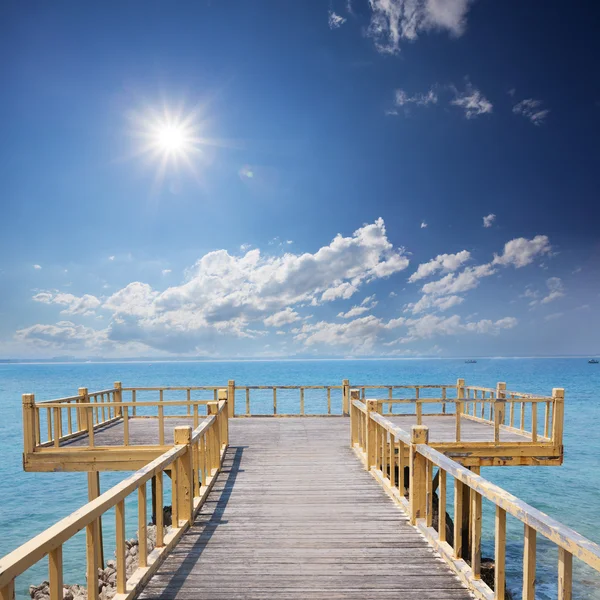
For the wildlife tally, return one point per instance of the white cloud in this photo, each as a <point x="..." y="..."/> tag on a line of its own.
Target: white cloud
<point x="521" y="251"/>
<point x="393" y="294"/>
<point x="553" y="316"/>
<point x="111" y="258"/>
<point x="430" y="326"/>
<point x="436" y="303"/>
<point x="530" y="109"/>
<point x="84" y="305"/>
<point x="459" y="283"/>
<point x="396" y="20"/>
<point x="401" y="98"/>
<point x="366" y="305"/>
<point x="472" y="101"/>
<point x="37" y="267"/>
<point x="166" y="271"/>
<point x="487" y="221"/>
<point x="423" y="225"/>
<point x="358" y="336"/>
<point x="335" y="20"/>
<point x="283" y="317"/>
<point x="64" y="334"/>
<point x="245" y="247"/>
<point x="224" y="294"/>
<point x="442" y="262"/>
<point x="555" y="288"/>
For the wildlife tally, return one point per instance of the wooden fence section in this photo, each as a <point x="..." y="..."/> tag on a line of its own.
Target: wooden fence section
<point x="392" y="453"/>
<point x="192" y="463"/>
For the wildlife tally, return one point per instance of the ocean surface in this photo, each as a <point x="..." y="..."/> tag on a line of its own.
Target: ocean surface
<point x="31" y="502"/>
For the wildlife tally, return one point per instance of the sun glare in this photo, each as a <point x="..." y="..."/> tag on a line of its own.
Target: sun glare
<point x="170" y="139"/>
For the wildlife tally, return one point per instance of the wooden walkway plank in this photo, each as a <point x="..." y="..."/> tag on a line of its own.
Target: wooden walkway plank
<point x="294" y="515"/>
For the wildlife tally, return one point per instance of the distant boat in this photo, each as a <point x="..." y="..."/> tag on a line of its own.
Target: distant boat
<point x="593" y="361"/>
<point x="470" y="361"/>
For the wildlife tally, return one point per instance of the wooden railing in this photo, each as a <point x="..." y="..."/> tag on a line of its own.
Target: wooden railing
<point x="65" y="419"/>
<point x="269" y="400"/>
<point x="507" y="411"/>
<point x="410" y="470"/>
<point x="193" y="463"/>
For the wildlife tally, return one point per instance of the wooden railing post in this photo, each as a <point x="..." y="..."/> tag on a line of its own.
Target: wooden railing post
<point x="185" y="482"/>
<point x="93" y="493"/>
<point x="231" y="398"/>
<point x="460" y="395"/>
<point x="29" y="426"/>
<point x="354" y="416"/>
<point x="213" y="438"/>
<point x="118" y="399"/>
<point x="345" y="397"/>
<point x="83" y="417"/>
<point x="418" y="474"/>
<point x="558" y="416"/>
<point x="499" y="406"/>
<point x="224" y="418"/>
<point x="371" y="443"/>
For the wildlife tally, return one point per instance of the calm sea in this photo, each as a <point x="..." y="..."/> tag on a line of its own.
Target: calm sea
<point x="33" y="501"/>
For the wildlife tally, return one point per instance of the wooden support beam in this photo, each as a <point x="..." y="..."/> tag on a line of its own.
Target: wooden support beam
<point x="91" y="553"/>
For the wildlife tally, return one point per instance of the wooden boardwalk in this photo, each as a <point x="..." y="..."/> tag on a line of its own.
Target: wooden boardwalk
<point x="294" y="515"/>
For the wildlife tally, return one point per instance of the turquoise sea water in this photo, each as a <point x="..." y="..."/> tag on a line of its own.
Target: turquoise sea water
<point x="33" y="501"/>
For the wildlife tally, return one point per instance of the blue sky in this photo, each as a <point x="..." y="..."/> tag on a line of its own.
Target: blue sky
<point x="334" y="165"/>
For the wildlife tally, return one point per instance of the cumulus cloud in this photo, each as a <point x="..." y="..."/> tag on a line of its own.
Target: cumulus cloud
<point x="531" y="109"/>
<point x="555" y="290"/>
<point x="442" y="262"/>
<point x="335" y="21"/>
<point x="224" y="294"/>
<point x="521" y="252"/>
<point x="37" y="267"/>
<point x="464" y="281"/>
<point x="283" y="317"/>
<point x="423" y="225"/>
<point x="366" y="305"/>
<point x="166" y="271"/>
<point x="487" y="221"/>
<point x="430" y="326"/>
<point x="433" y="303"/>
<point x="84" y="305"/>
<point x="64" y="334"/>
<point x="395" y="20"/>
<point x="472" y="101"/>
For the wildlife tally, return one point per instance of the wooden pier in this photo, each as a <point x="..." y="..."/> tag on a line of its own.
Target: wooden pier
<point x="350" y="502"/>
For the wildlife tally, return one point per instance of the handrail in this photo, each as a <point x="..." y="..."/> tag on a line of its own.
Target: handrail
<point x="195" y="460"/>
<point x="386" y="450"/>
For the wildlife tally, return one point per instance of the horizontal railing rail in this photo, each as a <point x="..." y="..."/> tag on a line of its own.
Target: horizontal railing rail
<point x="193" y="463"/>
<point x="412" y="471"/>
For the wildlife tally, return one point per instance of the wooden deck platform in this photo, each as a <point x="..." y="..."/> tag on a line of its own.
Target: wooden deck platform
<point x="144" y="430"/>
<point x="294" y="515"/>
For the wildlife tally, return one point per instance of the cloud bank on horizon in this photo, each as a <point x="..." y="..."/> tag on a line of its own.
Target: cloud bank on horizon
<point x="230" y="299"/>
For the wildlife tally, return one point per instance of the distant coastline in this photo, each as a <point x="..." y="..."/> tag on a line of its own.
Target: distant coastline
<point x="142" y="360"/>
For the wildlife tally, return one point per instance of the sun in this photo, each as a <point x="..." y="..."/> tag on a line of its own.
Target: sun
<point x="171" y="140"/>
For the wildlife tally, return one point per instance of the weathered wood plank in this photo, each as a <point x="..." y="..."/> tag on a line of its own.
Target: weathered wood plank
<point x="295" y="515"/>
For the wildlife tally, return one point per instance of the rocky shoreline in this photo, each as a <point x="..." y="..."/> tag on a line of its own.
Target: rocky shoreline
<point x="107" y="577"/>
